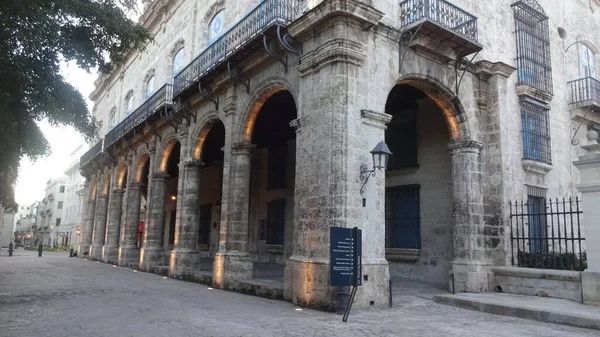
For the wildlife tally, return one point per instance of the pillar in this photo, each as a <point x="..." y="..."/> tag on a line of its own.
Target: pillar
<point x="110" y="252"/>
<point x="184" y="256"/>
<point x="471" y="266"/>
<point x="153" y="253"/>
<point x="232" y="261"/>
<point x="99" y="227"/>
<point x="88" y="226"/>
<point x="589" y="187"/>
<point x="129" y="253"/>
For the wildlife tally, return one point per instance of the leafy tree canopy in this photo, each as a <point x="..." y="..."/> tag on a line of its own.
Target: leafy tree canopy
<point x="35" y="36"/>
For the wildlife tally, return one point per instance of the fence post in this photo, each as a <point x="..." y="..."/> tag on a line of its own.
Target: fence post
<point x="589" y="187"/>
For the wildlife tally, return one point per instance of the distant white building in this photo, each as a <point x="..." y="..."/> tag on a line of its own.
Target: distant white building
<point x="50" y="213"/>
<point x="73" y="199"/>
<point x="26" y="223"/>
<point x="6" y="227"/>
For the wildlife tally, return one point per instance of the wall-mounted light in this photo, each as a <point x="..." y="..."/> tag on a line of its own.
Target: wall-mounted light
<point x="381" y="154"/>
<point x="174" y="195"/>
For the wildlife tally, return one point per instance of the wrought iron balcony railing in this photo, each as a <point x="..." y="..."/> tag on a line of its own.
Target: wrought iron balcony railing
<point x="440" y="12"/>
<point x="584" y="90"/>
<point x="267" y="14"/>
<point x="159" y="99"/>
<point x="90" y="154"/>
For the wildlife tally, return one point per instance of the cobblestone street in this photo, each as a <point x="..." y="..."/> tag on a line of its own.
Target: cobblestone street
<point x="58" y="296"/>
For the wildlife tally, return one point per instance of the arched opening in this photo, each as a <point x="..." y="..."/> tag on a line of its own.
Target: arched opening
<point x="419" y="196"/>
<point x="171" y="168"/>
<point x="272" y="178"/>
<point x="211" y="185"/>
<point x="143" y="171"/>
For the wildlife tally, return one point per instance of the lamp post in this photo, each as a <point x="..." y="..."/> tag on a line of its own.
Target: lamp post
<point x="381" y="154"/>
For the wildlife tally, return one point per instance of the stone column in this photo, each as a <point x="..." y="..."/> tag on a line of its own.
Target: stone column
<point x="110" y="253"/>
<point x="589" y="187"/>
<point x="129" y="253"/>
<point x="184" y="256"/>
<point x="99" y="227"/>
<point x="471" y="266"/>
<point x="88" y="226"/>
<point x="153" y="253"/>
<point x="232" y="261"/>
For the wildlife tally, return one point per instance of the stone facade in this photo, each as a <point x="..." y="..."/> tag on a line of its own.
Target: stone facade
<point x="254" y="161"/>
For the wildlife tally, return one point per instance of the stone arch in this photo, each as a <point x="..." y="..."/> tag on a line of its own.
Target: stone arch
<point x="121" y="177"/>
<point x="257" y="99"/>
<point x="446" y="100"/>
<point x="105" y="182"/>
<point x="165" y="151"/>
<point x="93" y="191"/>
<point x="139" y="169"/>
<point x="200" y="134"/>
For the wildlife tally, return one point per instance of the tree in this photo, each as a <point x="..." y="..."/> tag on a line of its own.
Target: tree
<point x="35" y="36"/>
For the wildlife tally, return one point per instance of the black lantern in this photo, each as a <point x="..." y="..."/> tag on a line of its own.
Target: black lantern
<point x="381" y="154"/>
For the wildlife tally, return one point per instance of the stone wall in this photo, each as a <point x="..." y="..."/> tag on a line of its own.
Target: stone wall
<point x="563" y="284"/>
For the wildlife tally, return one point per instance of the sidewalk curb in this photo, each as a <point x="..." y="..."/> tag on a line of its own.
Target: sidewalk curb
<point x="520" y="312"/>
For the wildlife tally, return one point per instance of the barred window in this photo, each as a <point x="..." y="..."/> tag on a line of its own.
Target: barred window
<point x="535" y="132"/>
<point x="401" y="137"/>
<point x="533" y="45"/>
<point x="403" y="217"/>
<point x="275" y="221"/>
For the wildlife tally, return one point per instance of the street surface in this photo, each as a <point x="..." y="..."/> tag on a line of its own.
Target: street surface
<point x="59" y="296"/>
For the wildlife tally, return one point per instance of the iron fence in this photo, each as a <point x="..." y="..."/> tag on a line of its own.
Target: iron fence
<point x="159" y="99"/>
<point x="546" y="234"/>
<point x="90" y="154"/>
<point x="441" y="12"/>
<point x="265" y="15"/>
<point x="584" y="89"/>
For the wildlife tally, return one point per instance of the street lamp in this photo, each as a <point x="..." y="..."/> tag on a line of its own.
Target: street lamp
<point x="174" y="195"/>
<point x="381" y="154"/>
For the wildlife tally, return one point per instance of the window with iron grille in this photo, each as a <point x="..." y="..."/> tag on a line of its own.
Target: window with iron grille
<point x="403" y="217"/>
<point x="535" y="132"/>
<point x="536" y="207"/>
<point x="533" y="45"/>
<point x="401" y="137"/>
<point x="275" y="221"/>
<point x="204" y="221"/>
<point x="277" y="167"/>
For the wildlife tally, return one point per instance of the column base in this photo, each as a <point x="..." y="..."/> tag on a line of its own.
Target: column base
<point x="470" y="277"/>
<point x="230" y="266"/>
<point x="129" y="257"/>
<point x="110" y="254"/>
<point x="182" y="261"/>
<point x="590" y="284"/>
<point x="83" y="251"/>
<point x="150" y="257"/>
<point x="96" y="252"/>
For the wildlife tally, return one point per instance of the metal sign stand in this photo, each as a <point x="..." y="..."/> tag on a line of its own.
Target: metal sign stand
<point x="346" y="243"/>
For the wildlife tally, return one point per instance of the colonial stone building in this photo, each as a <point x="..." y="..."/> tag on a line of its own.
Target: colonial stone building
<point x="235" y="141"/>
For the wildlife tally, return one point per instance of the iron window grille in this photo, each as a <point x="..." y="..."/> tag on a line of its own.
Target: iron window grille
<point x="546" y="233"/>
<point x="204" y="222"/>
<point x="584" y="89"/>
<point x="401" y="137"/>
<point x="535" y="132"/>
<point x="534" y="66"/>
<point x="275" y="222"/>
<point x="403" y="217"/>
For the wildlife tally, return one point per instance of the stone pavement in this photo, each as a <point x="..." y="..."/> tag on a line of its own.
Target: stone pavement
<point x="60" y="296"/>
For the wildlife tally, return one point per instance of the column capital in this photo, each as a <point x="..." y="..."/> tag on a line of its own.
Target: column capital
<point x="296" y="124"/>
<point x="242" y="148"/>
<point x="160" y="176"/>
<point x="375" y="119"/>
<point x="118" y="191"/>
<point x="192" y="164"/>
<point x="464" y="146"/>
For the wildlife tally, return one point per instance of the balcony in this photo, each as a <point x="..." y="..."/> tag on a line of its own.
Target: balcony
<point x="90" y="154"/>
<point x="439" y="27"/>
<point x="584" y="93"/>
<point x="237" y="43"/>
<point x="160" y="99"/>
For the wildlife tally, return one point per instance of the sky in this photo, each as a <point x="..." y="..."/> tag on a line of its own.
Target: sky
<point x="63" y="140"/>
